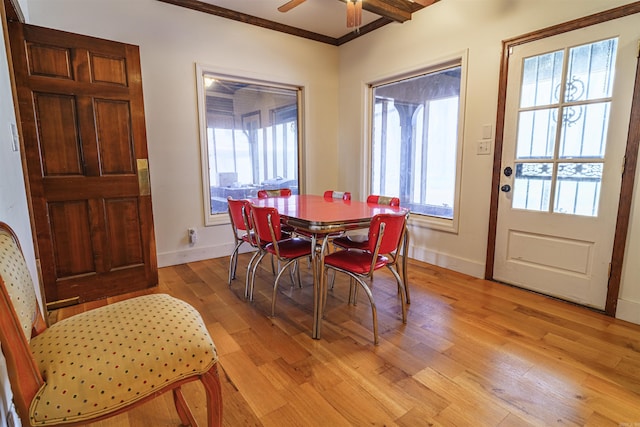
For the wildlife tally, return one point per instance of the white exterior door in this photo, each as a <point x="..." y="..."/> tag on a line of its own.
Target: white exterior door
<point x="566" y="122"/>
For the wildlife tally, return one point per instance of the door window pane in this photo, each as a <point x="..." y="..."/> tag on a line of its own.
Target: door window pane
<point x="532" y="186"/>
<point x="578" y="188"/>
<point x="590" y="73"/>
<point x="541" y="77"/>
<point x="536" y="134"/>
<point x="584" y="130"/>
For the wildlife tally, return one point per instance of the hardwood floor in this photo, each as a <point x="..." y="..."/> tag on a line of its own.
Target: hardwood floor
<point x="473" y="353"/>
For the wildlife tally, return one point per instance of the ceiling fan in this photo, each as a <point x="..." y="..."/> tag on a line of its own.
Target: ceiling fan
<point x="395" y="10"/>
<point x="290" y="5"/>
<point x="354" y="10"/>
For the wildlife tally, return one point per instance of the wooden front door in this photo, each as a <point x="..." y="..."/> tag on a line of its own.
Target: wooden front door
<point x="82" y="121"/>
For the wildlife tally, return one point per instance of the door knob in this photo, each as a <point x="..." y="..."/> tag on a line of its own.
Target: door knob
<point x="506" y="188"/>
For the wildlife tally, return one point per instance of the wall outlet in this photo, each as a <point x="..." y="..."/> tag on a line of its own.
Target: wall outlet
<point x="193" y="235"/>
<point x="484" y="146"/>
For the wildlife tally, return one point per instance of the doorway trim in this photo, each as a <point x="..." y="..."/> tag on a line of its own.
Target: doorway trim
<point x="631" y="152"/>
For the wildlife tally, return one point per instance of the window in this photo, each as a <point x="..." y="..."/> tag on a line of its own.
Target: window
<point x="249" y="139"/>
<point x="415" y="150"/>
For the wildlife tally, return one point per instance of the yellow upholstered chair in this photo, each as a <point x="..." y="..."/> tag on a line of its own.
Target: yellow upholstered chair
<point x="102" y="362"/>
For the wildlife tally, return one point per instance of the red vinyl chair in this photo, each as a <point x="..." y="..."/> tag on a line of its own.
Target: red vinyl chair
<point x="385" y="235"/>
<point x="344" y="195"/>
<point x="267" y="227"/>
<point x="282" y="192"/>
<point x="350" y="242"/>
<point x="242" y="229"/>
<point x="383" y="200"/>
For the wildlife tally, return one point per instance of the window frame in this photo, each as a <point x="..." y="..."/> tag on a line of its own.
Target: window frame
<point x="454" y="60"/>
<point x="222" y="218"/>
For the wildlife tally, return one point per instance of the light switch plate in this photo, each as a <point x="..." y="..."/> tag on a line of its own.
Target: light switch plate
<point x="15" y="141"/>
<point x="487" y="130"/>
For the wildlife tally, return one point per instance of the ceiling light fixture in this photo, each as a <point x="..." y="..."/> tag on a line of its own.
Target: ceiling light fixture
<point x="354" y="13"/>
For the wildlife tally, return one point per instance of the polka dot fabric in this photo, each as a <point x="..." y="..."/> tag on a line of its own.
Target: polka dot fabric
<point x="17" y="279"/>
<point x="109" y="357"/>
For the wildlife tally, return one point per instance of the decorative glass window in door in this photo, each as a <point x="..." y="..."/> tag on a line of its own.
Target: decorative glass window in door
<point x="562" y="129"/>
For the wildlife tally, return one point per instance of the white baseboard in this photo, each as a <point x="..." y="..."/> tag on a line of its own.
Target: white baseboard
<point x="461" y="265"/>
<point x="629" y="311"/>
<point x="167" y="259"/>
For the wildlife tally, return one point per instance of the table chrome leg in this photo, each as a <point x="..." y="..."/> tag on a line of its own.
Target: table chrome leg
<point x="315" y="334"/>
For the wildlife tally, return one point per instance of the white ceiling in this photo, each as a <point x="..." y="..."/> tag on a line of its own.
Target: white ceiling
<point x="326" y="17"/>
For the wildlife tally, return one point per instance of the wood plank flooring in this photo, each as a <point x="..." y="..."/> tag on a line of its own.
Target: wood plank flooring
<point x="473" y="353"/>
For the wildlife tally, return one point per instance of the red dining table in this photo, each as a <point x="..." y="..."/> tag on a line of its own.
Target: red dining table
<point x="318" y="217"/>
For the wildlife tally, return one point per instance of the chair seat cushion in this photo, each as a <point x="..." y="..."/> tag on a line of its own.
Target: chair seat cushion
<point x="110" y="357"/>
<point x="291" y="248"/>
<point x="354" y="260"/>
<point x="352" y="242"/>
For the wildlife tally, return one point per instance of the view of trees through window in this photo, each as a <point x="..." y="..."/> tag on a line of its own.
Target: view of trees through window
<point x="415" y="143"/>
<point x="251" y="139"/>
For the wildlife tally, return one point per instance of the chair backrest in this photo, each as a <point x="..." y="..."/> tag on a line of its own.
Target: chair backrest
<point x="266" y="223"/>
<point x="282" y="192"/>
<point x="383" y="200"/>
<point x="239" y="214"/>
<point x="392" y="232"/>
<point x="344" y="195"/>
<point x="20" y="319"/>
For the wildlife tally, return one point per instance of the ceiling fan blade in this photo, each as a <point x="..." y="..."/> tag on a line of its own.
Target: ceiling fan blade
<point x="290" y="5"/>
<point x="425" y="2"/>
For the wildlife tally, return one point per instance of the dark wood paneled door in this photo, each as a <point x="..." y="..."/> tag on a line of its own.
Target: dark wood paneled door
<point x="82" y="120"/>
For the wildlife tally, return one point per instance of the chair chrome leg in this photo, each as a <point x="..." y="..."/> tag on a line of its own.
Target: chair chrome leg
<point x="374" y="311"/>
<point x="275" y="286"/>
<point x="403" y="296"/>
<point x="233" y="262"/>
<point x="405" y="278"/>
<point x="253" y="274"/>
<point x="248" y="286"/>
